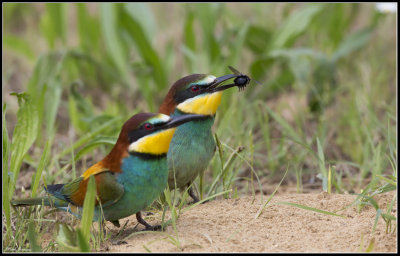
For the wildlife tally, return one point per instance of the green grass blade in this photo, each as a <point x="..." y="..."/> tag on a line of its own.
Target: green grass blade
<point x="19" y="45"/>
<point x="67" y="237"/>
<point x="88" y="29"/>
<point x="371" y="200"/>
<point x="189" y="36"/>
<point x="53" y="23"/>
<point x="295" y="25"/>
<point x="6" y="181"/>
<point x="236" y="49"/>
<point x="321" y="163"/>
<point x="83" y="243"/>
<point x="311" y="209"/>
<point x="24" y="135"/>
<point x="352" y="43"/>
<point x="271" y="196"/>
<point x="146" y="50"/>
<point x="370" y="245"/>
<point x="392" y="182"/>
<point x="378" y="214"/>
<point x="52" y="103"/>
<point x="43" y="162"/>
<point x="101" y="140"/>
<point x="143" y="14"/>
<point x="285" y="125"/>
<point x="206" y="199"/>
<point x="88" y="208"/>
<point x="109" y="25"/>
<point x="32" y="238"/>
<point x="87" y="137"/>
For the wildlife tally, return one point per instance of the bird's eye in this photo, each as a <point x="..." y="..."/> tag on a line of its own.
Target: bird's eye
<point x="148" y="126"/>
<point x="194" y="88"/>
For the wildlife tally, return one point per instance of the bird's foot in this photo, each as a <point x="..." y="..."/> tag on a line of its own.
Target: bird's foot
<point x="152" y="228"/>
<point x="147" y="225"/>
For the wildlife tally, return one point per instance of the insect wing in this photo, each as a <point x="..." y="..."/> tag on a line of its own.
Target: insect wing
<point x="234" y="70"/>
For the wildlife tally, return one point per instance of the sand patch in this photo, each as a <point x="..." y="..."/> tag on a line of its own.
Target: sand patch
<point x="230" y="226"/>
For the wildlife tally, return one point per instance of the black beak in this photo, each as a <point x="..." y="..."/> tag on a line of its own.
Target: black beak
<point x="178" y="120"/>
<point x="219" y="80"/>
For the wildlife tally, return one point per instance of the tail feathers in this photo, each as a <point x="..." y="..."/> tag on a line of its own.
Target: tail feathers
<point x="31" y="201"/>
<point x="47" y="201"/>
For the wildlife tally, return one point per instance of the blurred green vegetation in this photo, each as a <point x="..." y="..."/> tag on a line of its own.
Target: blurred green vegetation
<point x="326" y="96"/>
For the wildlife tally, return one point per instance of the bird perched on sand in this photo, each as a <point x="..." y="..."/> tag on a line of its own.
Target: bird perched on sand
<point x="193" y="145"/>
<point x="129" y="178"/>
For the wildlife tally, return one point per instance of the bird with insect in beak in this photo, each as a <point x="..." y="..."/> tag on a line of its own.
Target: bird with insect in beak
<point x="129" y="178"/>
<point x="193" y="145"/>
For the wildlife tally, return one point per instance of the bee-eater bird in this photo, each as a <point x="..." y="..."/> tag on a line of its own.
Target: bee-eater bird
<point x="193" y="145"/>
<point x="129" y="178"/>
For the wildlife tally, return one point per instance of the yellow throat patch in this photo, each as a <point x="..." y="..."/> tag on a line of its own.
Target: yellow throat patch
<point x="202" y="105"/>
<point x="155" y="144"/>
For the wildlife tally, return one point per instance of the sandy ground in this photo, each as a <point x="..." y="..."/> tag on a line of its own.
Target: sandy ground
<point x="230" y="226"/>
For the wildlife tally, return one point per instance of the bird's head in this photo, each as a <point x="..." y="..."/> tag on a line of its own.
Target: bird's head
<point x="195" y="94"/>
<point x="145" y="135"/>
<point x="149" y="133"/>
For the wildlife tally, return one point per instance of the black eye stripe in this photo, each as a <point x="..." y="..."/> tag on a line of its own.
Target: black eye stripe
<point x="141" y="131"/>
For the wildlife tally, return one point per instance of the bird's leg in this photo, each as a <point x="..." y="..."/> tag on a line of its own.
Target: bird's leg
<point x="192" y="195"/>
<point x="115" y="223"/>
<point x="147" y="225"/>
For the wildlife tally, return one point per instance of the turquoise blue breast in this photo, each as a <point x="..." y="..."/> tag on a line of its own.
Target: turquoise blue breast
<point x="143" y="180"/>
<point x="190" y="151"/>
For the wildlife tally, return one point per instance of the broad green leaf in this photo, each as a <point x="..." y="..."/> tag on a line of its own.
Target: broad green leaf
<point x="189" y="40"/>
<point x="53" y="23"/>
<point x="35" y="247"/>
<point x="47" y="68"/>
<point x="257" y="38"/>
<point x="24" y="135"/>
<point x="237" y="47"/>
<point x="44" y="87"/>
<point x="146" y="51"/>
<point x="110" y="28"/>
<point x="295" y="25"/>
<point x="88" y="29"/>
<point x="79" y="109"/>
<point x="189" y="35"/>
<point x="144" y="16"/>
<point x="207" y="14"/>
<point x="6" y="180"/>
<point x="352" y="43"/>
<point x="83" y="243"/>
<point x="259" y="67"/>
<point x="19" y="45"/>
<point x="67" y="238"/>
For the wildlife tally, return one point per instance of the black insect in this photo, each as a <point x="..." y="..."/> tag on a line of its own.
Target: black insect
<point x="241" y="80"/>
